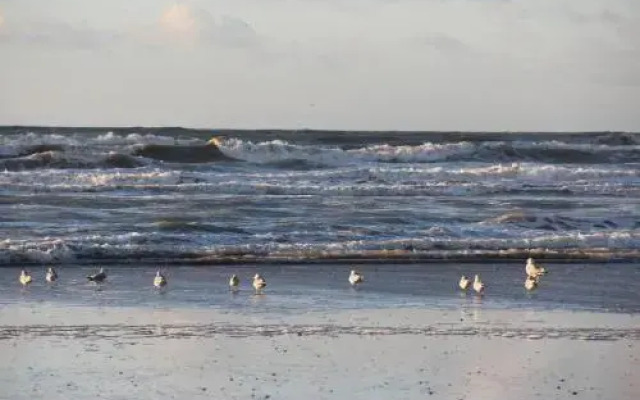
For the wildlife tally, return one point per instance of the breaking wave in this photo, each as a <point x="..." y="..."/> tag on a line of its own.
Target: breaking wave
<point x="66" y="149"/>
<point x="169" y="245"/>
<point x="279" y="151"/>
<point x="62" y="160"/>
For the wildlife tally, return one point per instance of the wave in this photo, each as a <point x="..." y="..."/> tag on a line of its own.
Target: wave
<point x="174" y="247"/>
<point x="525" y="173"/>
<point x="272" y="189"/>
<point x="60" y="157"/>
<point x="182" y="154"/>
<point x="191" y="226"/>
<point x="403" y="182"/>
<point x="618" y="139"/>
<point x="278" y="151"/>
<point x="560" y="223"/>
<point x="611" y="148"/>
<point x="83" y="139"/>
<point x="64" y="160"/>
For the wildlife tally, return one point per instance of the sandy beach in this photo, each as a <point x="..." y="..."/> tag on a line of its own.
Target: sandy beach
<point x="50" y="352"/>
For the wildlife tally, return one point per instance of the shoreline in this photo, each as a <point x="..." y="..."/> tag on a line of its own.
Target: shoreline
<point x="599" y="256"/>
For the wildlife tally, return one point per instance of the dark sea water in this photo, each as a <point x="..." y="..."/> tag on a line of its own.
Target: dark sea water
<point x="86" y="196"/>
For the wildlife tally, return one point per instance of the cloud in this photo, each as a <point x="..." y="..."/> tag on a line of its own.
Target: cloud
<point x="177" y="25"/>
<point x="481" y="64"/>
<point x="60" y="34"/>
<point x="183" y="24"/>
<point x="179" y="20"/>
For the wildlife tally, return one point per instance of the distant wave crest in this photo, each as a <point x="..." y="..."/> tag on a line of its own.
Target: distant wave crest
<point x="278" y="151"/>
<point x="614" y="147"/>
<point x="61" y="160"/>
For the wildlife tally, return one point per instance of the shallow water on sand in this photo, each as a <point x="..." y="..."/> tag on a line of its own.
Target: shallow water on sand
<point x="295" y="289"/>
<point x="406" y="333"/>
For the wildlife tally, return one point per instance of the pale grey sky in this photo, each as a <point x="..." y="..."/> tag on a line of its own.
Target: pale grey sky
<point x="334" y="64"/>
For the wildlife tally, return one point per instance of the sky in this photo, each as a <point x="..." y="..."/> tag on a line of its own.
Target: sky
<point x="470" y="65"/>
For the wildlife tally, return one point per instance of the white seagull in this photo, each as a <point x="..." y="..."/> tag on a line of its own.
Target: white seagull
<point x="51" y="275"/>
<point x="478" y="286"/>
<point x="464" y="282"/>
<point x="259" y="283"/>
<point x="534" y="270"/>
<point x="25" y="278"/>
<point x="159" y="280"/>
<point x="355" y="277"/>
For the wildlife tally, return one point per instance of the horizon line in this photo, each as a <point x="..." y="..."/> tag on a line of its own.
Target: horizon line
<point x="177" y="127"/>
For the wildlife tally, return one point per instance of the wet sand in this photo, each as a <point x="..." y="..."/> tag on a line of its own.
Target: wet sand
<point x="54" y="352"/>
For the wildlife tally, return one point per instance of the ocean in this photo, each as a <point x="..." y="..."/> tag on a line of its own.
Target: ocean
<point x="166" y="196"/>
<point x="412" y="211"/>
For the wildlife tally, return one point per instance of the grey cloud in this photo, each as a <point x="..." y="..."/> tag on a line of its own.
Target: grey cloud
<point x="230" y="31"/>
<point x="225" y="31"/>
<point x="183" y="24"/>
<point x="59" y="34"/>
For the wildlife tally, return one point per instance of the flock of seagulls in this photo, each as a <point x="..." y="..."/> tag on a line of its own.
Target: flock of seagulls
<point x="533" y="271"/>
<point x="477" y="285"/>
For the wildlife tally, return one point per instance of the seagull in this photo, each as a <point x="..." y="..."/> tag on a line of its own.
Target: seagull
<point x="533" y="270"/>
<point x="234" y="282"/>
<point x="355" y="277"/>
<point x="531" y="283"/>
<point x="25" y="278"/>
<point x="464" y="282"/>
<point x="51" y="275"/>
<point x="99" y="277"/>
<point x="159" y="280"/>
<point x="478" y="286"/>
<point x="259" y="283"/>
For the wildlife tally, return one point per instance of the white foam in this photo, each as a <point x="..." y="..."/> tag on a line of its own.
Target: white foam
<point x="32" y="139"/>
<point x="85" y="140"/>
<point x="44" y="250"/>
<point x="280" y="151"/>
<point x="154" y="245"/>
<point x="377" y="181"/>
